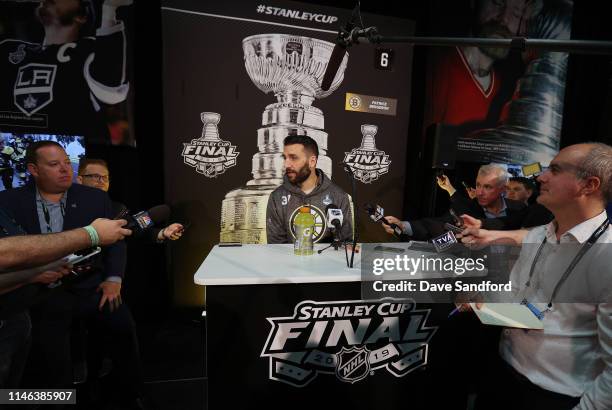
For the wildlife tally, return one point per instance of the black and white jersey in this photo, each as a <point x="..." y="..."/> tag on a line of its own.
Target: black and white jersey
<point x="60" y="88"/>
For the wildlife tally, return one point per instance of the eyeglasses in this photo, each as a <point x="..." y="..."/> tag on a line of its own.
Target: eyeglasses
<point x="97" y="177"/>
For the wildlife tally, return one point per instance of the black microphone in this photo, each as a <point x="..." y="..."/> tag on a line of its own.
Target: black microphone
<point x="145" y="219"/>
<point x="335" y="217"/>
<point x="335" y="60"/>
<point x="377" y="214"/>
<point x="343" y="41"/>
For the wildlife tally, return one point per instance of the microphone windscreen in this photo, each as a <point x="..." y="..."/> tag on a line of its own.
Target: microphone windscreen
<point x="159" y="213"/>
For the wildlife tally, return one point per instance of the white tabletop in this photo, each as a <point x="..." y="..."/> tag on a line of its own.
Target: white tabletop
<point x="266" y="264"/>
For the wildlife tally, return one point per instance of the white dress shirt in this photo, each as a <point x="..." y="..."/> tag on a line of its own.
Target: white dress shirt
<point x="572" y="355"/>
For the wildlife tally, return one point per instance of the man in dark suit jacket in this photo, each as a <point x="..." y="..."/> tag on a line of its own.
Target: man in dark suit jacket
<point x="54" y="204"/>
<point x="489" y="203"/>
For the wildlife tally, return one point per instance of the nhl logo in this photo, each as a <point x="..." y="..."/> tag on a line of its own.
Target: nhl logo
<point x="209" y="154"/>
<point x="353" y="364"/>
<point x="367" y="162"/>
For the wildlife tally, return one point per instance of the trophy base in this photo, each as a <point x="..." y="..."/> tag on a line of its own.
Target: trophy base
<point x="243" y="214"/>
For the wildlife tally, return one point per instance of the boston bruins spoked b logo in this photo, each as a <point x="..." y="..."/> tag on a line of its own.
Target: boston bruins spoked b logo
<point x="351" y="339"/>
<point x="320" y="222"/>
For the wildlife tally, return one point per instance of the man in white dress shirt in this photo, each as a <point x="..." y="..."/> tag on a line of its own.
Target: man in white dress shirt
<point x="568" y="364"/>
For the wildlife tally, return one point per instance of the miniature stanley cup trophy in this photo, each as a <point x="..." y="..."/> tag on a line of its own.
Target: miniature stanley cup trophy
<point x="291" y="67"/>
<point x="210" y="132"/>
<point x="368" y="143"/>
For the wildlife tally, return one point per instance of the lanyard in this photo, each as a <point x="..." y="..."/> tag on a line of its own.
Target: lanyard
<point x="588" y="244"/>
<point x="48" y="217"/>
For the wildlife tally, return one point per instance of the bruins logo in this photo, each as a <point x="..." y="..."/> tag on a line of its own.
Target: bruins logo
<point x="320" y="222"/>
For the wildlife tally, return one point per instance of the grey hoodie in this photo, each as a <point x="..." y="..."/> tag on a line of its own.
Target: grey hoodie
<point x="286" y="200"/>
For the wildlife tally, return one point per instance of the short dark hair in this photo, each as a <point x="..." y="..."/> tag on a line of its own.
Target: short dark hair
<point x="31" y="156"/>
<point x="309" y="144"/>
<point x="85" y="162"/>
<point x="527" y="183"/>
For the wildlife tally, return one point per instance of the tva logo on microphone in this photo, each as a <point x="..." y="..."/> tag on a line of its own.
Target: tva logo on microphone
<point x="445" y="241"/>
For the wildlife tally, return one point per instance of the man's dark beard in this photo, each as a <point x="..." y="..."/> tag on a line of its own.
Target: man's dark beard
<point x="301" y="175"/>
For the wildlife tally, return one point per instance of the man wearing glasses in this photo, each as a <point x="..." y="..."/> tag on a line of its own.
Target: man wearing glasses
<point x="52" y="204"/>
<point x="567" y="364"/>
<point x="94" y="173"/>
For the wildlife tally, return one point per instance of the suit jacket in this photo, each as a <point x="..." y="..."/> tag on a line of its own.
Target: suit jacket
<point x="427" y="228"/>
<point x="528" y="217"/>
<point x="83" y="205"/>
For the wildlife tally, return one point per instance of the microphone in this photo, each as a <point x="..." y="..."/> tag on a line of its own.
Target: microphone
<point x="145" y="219"/>
<point x="335" y="60"/>
<point x="343" y="42"/>
<point x="377" y="214"/>
<point x="334" y="216"/>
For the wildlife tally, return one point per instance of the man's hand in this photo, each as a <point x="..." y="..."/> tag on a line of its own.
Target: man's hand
<point x="111" y="292"/>
<point x="171" y="232"/>
<point x="477" y="238"/>
<point x="51" y="276"/>
<point x="471" y="222"/>
<point x="392" y="220"/>
<point x="349" y="247"/>
<point x="110" y="231"/>
<point x="466" y="307"/>
<point x="445" y="184"/>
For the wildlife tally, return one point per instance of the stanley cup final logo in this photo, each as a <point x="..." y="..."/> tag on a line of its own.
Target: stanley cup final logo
<point x="352" y="340"/>
<point x="209" y="154"/>
<point x="367" y="162"/>
<point x="291" y="68"/>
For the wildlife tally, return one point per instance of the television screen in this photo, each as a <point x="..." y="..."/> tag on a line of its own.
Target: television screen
<point x="13" y="169"/>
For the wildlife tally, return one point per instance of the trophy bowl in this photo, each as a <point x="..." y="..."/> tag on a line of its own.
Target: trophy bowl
<point x="285" y="64"/>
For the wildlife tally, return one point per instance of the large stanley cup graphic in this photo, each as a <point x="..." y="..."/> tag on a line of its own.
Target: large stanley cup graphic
<point x="292" y="68"/>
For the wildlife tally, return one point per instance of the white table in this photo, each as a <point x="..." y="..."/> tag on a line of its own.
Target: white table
<point x="270" y="264"/>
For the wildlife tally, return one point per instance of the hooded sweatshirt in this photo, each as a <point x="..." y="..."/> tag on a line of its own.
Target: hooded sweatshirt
<point x="285" y="202"/>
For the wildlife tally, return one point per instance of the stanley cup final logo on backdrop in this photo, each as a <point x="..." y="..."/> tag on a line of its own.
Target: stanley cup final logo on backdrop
<point x="367" y="162"/>
<point x="209" y="154"/>
<point x="291" y="68"/>
<point x="351" y="339"/>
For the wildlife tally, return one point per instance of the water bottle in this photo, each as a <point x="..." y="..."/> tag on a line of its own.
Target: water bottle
<point x="304" y="228"/>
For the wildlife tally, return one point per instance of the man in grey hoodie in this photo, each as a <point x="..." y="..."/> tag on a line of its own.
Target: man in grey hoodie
<point x="304" y="184"/>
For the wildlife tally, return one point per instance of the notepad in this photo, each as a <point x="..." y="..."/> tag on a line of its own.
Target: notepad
<point x="507" y="315"/>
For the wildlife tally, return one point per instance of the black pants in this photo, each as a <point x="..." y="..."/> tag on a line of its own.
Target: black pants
<point x="50" y="362"/>
<point x="509" y="390"/>
<point x="15" y="332"/>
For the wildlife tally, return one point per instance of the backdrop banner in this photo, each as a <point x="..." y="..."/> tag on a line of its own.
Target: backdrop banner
<point x="500" y="105"/>
<point x="238" y="78"/>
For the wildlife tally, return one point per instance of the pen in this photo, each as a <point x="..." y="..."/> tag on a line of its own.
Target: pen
<point x="455" y="310"/>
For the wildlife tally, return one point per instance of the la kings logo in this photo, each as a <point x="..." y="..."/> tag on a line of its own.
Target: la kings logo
<point x="34" y="87"/>
<point x="349" y="339"/>
<point x="209" y="154"/>
<point x="367" y="162"/>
